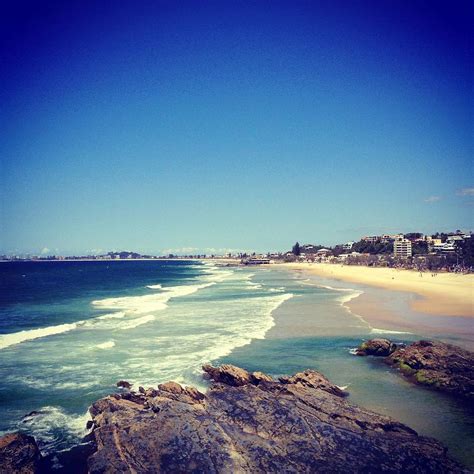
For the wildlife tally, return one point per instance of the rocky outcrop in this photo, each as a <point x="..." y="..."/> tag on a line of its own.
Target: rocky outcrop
<point x="437" y="365"/>
<point x="124" y="384"/>
<point x="376" y="347"/>
<point x="19" y="453"/>
<point x="249" y="422"/>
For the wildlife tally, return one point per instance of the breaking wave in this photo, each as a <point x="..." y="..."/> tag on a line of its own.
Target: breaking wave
<point x="7" y="340"/>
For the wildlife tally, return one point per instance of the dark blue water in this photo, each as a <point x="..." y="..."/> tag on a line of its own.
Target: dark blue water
<point x="38" y="294"/>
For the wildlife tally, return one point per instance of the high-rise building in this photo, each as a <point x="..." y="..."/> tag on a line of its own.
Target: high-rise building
<point x="402" y="248"/>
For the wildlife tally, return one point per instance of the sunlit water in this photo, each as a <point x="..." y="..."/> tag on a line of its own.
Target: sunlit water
<point x="71" y="330"/>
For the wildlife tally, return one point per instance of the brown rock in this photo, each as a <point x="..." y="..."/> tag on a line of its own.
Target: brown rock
<point x="301" y="424"/>
<point x="228" y="374"/>
<point x="19" y="453"/>
<point x="195" y="394"/>
<point x="313" y="379"/>
<point x="258" y="377"/>
<point x="171" y="387"/>
<point x="151" y="392"/>
<point x="124" y="384"/>
<point x="437" y="365"/>
<point x="376" y="347"/>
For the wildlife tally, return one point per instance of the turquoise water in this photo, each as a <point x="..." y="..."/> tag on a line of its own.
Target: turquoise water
<point x="70" y="330"/>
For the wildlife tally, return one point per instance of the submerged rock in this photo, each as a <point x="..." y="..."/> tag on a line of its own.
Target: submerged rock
<point x="251" y="423"/>
<point x="124" y="384"/>
<point x="376" y="347"/>
<point x="19" y="453"/>
<point x="438" y="365"/>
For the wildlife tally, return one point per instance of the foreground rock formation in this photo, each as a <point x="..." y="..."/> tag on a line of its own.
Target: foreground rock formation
<point x="248" y="422"/>
<point x="431" y="363"/>
<point x="19" y="454"/>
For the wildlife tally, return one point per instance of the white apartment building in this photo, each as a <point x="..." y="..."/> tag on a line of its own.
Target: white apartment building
<point x="402" y="248"/>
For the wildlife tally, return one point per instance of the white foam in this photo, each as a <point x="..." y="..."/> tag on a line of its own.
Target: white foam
<point x="7" y="340"/>
<point x="220" y="333"/>
<point x="155" y="287"/>
<point x="351" y="293"/>
<point x="50" y="421"/>
<point x="388" y="331"/>
<point x="149" y="303"/>
<point x="117" y="315"/>
<point x="136" y="322"/>
<point x="106" y="345"/>
<point x="350" y="296"/>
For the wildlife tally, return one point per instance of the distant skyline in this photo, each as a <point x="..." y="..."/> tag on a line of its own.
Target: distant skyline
<point x="155" y="126"/>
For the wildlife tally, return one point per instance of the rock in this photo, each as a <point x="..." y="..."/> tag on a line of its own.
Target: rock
<point x="248" y="423"/>
<point x="171" y="387"/>
<point x="376" y="347"/>
<point x="258" y="377"/>
<point x="313" y="379"/>
<point x="19" y="453"/>
<point x="141" y="390"/>
<point x="228" y="374"/>
<point x="151" y="392"/>
<point x="195" y="394"/>
<point x="32" y="414"/>
<point x="124" y="384"/>
<point x="134" y="397"/>
<point x="438" y="365"/>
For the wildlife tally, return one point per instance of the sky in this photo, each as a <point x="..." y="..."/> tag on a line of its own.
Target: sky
<point x="182" y="127"/>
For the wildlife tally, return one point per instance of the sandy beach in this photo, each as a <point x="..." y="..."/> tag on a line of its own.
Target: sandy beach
<point x="446" y="294"/>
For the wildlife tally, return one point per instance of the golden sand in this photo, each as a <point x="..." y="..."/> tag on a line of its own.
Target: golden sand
<point x="447" y="294"/>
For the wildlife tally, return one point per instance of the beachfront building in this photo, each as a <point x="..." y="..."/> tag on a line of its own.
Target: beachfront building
<point x="402" y="248"/>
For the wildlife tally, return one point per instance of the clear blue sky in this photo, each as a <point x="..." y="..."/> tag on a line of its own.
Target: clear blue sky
<point x="152" y="126"/>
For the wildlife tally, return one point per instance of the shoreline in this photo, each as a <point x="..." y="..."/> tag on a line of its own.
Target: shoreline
<point x="446" y="294"/>
<point x="391" y="310"/>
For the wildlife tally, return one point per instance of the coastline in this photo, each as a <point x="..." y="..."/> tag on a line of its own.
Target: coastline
<point x="446" y="294"/>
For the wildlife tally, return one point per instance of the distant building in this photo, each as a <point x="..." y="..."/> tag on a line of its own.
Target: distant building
<point x="323" y="252"/>
<point x="348" y="245"/>
<point x="402" y="248"/>
<point x="444" y="248"/>
<point x="372" y="239"/>
<point x="385" y="239"/>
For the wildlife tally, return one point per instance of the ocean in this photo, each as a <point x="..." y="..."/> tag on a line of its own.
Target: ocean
<point x="70" y="330"/>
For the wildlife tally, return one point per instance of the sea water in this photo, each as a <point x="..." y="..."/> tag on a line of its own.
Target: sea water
<point x="70" y="330"/>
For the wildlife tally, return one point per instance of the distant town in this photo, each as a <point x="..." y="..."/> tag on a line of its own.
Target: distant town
<point x="451" y="251"/>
